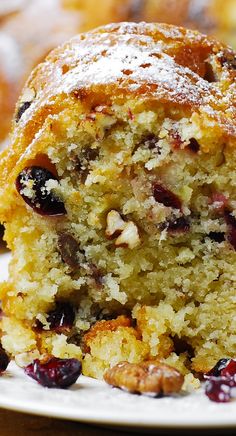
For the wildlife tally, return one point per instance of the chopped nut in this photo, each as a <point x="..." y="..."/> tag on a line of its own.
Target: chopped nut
<point x="151" y="377"/>
<point x="129" y="236"/>
<point x="115" y="224"/>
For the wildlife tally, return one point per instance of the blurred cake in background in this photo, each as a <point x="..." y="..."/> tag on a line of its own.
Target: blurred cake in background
<point x="214" y="17"/>
<point x="30" y="29"/>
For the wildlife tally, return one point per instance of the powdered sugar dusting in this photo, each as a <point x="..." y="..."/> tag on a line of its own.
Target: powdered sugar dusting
<point x="143" y="60"/>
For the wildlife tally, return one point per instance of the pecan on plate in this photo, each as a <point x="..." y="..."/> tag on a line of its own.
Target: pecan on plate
<point x="151" y="377"/>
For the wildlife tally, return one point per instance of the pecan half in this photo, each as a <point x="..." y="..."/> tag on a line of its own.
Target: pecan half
<point x="151" y="377"/>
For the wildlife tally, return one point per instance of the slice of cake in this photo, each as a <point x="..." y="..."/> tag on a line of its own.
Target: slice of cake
<point x="118" y="195"/>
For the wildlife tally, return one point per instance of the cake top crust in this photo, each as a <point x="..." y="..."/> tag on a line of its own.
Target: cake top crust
<point x="155" y="62"/>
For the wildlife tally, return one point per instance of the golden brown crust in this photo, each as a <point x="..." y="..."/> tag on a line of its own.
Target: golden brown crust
<point x="151" y="377"/>
<point x="155" y="62"/>
<point x="105" y="327"/>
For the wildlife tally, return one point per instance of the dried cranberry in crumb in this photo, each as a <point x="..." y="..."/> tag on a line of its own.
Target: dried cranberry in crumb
<point x="31" y="184"/>
<point x="62" y="318"/>
<point x="56" y="373"/>
<point x="4" y="360"/>
<point x="175" y="139"/>
<point x="166" y="197"/>
<point x="180" y="225"/>
<point x="69" y="249"/>
<point x="231" y="222"/>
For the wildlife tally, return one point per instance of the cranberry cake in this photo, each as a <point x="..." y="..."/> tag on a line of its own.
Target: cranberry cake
<point x="215" y="17"/>
<point x="118" y="196"/>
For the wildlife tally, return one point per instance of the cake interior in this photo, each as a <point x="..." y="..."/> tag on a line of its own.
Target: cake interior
<point x="147" y="243"/>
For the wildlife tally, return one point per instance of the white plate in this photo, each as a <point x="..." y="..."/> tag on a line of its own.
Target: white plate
<point x="93" y="401"/>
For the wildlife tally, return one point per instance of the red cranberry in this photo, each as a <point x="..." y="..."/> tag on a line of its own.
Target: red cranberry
<point x="4" y="360"/>
<point x="96" y="275"/>
<point x="218" y="389"/>
<point x="221" y="380"/>
<point x="42" y="201"/>
<point x="69" y="249"/>
<point x="176" y="139"/>
<point x="218" y="201"/>
<point x="179" y="225"/>
<point x="166" y="197"/>
<point x="83" y="161"/>
<point x="229" y="370"/>
<point x="62" y="318"/>
<point x="55" y="373"/>
<point x="231" y="222"/>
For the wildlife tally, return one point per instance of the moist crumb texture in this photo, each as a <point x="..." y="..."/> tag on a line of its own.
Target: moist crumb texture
<point x="118" y="196"/>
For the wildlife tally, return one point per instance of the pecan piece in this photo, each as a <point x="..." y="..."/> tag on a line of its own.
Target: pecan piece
<point x="115" y="224"/>
<point x="151" y="377"/>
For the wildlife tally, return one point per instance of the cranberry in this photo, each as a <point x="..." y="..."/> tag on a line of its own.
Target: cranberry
<point x="42" y="201"/>
<point x="216" y="370"/>
<point x="218" y="201"/>
<point x="22" y="109"/>
<point x="96" y="275"/>
<point x="231" y="222"/>
<point x="83" y="160"/>
<point x="229" y="370"/>
<point x="229" y="218"/>
<point x="176" y="139"/>
<point x="179" y="225"/>
<point x="165" y="196"/>
<point x="69" y="249"/>
<point x="55" y="373"/>
<point x="218" y="389"/>
<point x="4" y="360"/>
<point x="61" y="318"/>
<point x="220" y="380"/>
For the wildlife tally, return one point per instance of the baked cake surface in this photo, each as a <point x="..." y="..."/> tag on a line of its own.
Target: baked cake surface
<point x="118" y="197"/>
